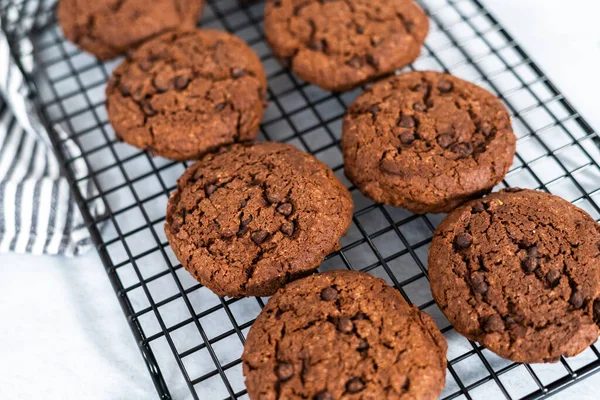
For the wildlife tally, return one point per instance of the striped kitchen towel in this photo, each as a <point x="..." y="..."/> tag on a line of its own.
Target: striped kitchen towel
<point x="38" y="213"/>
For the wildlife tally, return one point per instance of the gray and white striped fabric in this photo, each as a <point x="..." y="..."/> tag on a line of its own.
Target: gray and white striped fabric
<point x="38" y="213"/>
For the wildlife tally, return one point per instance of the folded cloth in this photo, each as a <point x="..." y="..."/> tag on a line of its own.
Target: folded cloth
<point x="38" y="213"/>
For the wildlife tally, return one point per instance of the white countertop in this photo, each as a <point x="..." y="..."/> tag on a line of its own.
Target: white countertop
<point x="63" y="334"/>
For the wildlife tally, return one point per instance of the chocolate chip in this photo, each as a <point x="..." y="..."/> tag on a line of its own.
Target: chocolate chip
<point x="374" y="109"/>
<point x="285" y="209"/>
<point x="409" y="26"/>
<point x="181" y="82"/>
<point x="478" y="282"/>
<point x="198" y="174"/>
<point x="375" y="42"/>
<point x="148" y="110"/>
<point x="125" y="89"/>
<point x="355" y="62"/>
<point x="419" y="106"/>
<point x="516" y="329"/>
<point x="146" y="65"/>
<point x="345" y="325"/>
<point x="463" y="149"/>
<point x="259" y="236"/>
<point x="407" y="137"/>
<point x="287" y="228"/>
<point x="445" y="141"/>
<point x="478" y="207"/>
<point x="360" y="30"/>
<point x="493" y="323"/>
<point x="463" y="240"/>
<point x="175" y="226"/>
<point x="221" y="106"/>
<point x="210" y="189"/>
<point x="362" y="345"/>
<point x="272" y="198"/>
<point x="242" y="230"/>
<point x="553" y="277"/>
<point x="530" y="262"/>
<point x="445" y="86"/>
<point x="576" y="299"/>
<point x="246" y="220"/>
<point x="596" y="309"/>
<point x="406" y="122"/>
<point x="486" y="128"/>
<point x="372" y="60"/>
<point x="329" y="294"/>
<point x="323" y="396"/>
<point x="355" y="385"/>
<point x="532" y="252"/>
<point x="284" y="371"/>
<point x="244" y="225"/>
<point x="160" y="85"/>
<point x="421" y="88"/>
<point x="138" y="95"/>
<point x="319" y="45"/>
<point x="360" y="316"/>
<point x="238" y="72"/>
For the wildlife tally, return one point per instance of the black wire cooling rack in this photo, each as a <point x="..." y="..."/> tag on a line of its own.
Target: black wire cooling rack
<point x="192" y="340"/>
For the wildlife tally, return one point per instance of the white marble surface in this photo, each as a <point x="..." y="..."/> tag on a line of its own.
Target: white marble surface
<point x="63" y="335"/>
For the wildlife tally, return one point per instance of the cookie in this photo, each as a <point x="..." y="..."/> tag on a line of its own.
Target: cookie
<point x="519" y="272"/>
<point x="248" y="220"/>
<point x="108" y="28"/>
<point x="342" y="44"/>
<point x="426" y="141"/>
<point x="343" y="334"/>
<point x="184" y="94"/>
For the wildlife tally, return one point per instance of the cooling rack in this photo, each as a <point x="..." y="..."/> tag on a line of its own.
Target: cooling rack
<point x="190" y="339"/>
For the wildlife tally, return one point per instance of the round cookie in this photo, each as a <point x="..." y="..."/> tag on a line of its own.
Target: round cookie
<point x="184" y="94"/>
<point x="108" y="28"/>
<point x="519" y="272"/>
<point x="342" y="44"/>
<point x="343" y="334"/>
<point x="248" y="220"/>
<point x="426" y="141"/>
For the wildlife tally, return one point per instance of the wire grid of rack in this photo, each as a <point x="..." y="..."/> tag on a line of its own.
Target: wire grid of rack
<point x="190" y="339"/>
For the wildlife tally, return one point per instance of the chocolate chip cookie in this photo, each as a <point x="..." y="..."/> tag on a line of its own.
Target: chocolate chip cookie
<point x="184" y="94"/>
<point x="343" y="334"/>
<point x="426" y="141"/>
<point x="341" y="44"/>
<point x="519" y="272"/>
<point x="249" y="219"/>
<point x="108" y="28"/>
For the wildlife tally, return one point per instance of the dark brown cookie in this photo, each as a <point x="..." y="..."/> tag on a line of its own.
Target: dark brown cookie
<point x="341" y="44"/>
<point x="253" y="217"/>
<point x="108" y="28"/>
<point x="343" y="334"/>
<point x="426" y="141"/>
<point x="519" y="272"/>
<point x="184" y="94"/>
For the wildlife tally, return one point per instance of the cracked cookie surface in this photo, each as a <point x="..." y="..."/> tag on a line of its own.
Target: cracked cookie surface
<point x="343" y="334"/>
<point x="251" y="218"/>
<point x="341" y="44"/>
<point x="426" y="141"/>
<point x="108" y="28"/>
<point x="184" y="94"/>
<point x="519" y="272"/>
